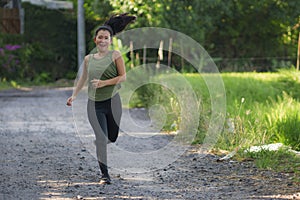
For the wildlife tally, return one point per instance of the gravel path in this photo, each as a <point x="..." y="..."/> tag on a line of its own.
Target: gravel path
<point x="42" y="157"/>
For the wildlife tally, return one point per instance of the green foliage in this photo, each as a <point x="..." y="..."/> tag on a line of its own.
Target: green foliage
<point x="48" y="46"/>
<point x="155" y="96"/>
<point x="4" y="84"/>
<point x="53" y="38"/>
<point x="149" y="12"/>
<point x="261" y="108"/>
<point x="43" y="77"/>
<point x="14" y="59"/>
<point x="281" y="161"/>
<point x="154" y="92"/>
<point x="258" y="35"/>
<point x="95" y="10"/>
<point x="268" y="113"/>
<point x="288" y="130"/>
<point x="283" y="121"/>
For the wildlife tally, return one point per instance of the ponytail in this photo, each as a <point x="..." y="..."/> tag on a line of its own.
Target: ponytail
<point x="116" y="23"/>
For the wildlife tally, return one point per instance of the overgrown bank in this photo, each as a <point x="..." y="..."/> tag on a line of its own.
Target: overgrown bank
<point x="261" y="108"/>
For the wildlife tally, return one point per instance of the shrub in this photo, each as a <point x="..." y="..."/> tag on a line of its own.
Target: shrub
<point x="14" y="60"/>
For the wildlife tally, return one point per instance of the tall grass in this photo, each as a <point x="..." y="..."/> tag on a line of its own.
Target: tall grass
<point x="281" y="160"/>
<point x="283" y="121"/>
<point x="261" y="108"/>
<point x="269" y="113"/>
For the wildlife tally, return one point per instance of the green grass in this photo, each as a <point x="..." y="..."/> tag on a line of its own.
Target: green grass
<point x="281" y="160"/>
<point x="261" y="108"/>
<point x="5" y="85"/>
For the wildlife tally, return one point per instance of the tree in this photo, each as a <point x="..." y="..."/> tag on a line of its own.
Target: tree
<point x="227" y="29"/>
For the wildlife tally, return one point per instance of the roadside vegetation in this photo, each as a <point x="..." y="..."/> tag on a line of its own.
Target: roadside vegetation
<point x="261" y="108"/>
<point x="21" y="84"/>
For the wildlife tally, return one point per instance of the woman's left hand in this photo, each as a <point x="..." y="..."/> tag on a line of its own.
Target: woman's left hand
<point x="98" y="83"/>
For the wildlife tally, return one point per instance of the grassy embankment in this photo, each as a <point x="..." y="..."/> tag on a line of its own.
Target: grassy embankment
<point x="261" y="108"/>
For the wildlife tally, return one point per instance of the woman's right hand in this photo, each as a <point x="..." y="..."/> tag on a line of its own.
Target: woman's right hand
<point x="70" y="100"/>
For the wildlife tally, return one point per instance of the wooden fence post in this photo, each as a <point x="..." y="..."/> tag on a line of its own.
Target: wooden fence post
<point x="160" y="54"/>
<point x="298" y="54"/>
<point x="144" y="55"/>
<point x="170" y="52"/>
<point x="131" y="54"/>
<point x="182" y="60"/>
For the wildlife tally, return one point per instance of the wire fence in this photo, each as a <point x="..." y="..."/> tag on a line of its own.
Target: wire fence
<point x="258" y="64"/>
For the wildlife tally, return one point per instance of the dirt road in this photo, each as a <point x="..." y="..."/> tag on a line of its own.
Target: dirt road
<point x="42" y="157"/>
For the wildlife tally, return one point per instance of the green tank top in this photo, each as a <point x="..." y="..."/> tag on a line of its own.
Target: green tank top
<point x="103" y="69"/>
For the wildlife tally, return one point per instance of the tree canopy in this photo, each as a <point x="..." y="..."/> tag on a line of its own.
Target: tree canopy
<point x="258" y="29"/>
<point x="240" y="35"/>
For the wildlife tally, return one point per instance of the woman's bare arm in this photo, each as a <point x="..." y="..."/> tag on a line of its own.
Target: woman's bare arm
<point x="80" y="82"/>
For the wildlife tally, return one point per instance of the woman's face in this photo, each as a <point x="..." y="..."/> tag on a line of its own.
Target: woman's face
<point x="102" y="40"/>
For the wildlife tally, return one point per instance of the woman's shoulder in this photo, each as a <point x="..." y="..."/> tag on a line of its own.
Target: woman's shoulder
<point x="116" y="54"/>
<point x="86" y="60"/>
<point x="87" y="57"/>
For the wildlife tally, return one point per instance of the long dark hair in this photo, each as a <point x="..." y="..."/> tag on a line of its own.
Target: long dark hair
<point x="116" y="23"/>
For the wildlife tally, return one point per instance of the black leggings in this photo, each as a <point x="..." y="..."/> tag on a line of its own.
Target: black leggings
<point x="105" y="117"/>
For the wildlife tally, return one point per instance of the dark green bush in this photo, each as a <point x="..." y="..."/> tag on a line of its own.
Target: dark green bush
<point x="47" y="51"/>
<point x="14" y="59"/>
